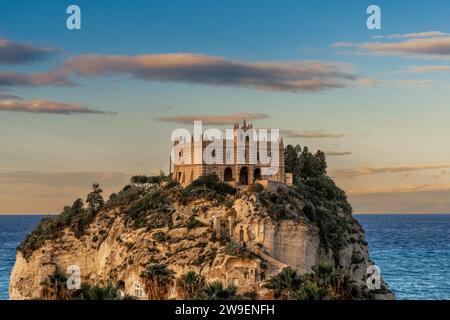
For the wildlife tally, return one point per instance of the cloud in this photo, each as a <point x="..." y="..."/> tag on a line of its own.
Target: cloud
<point x="310" y="134"/>
<point x="5" y="95"/>
<point x="402" y="189"/>
<point x="428" y="69"/>
<point x="38" y="192"/>
<point x="368" y="82"/>
<point x="214" y="119"/>
<point x="293" y="76"/>
<point x="19" y="53"/>
<point x="403" y="199"/>
<point x="337" y="153"/>
<point x="43" y="106"/>
<point x="61" y="179"/>
<point x="433" y="44"/>
<point x="343" y="44"/>
<point x="441" y="174"/>
<point x="14" y="79"/>
<point x="373" y="170"/>
<point x="427" y="34"/>
<point x="425" y="84"/>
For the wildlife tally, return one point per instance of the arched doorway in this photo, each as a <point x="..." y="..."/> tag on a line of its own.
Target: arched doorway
<point x="243" y="176"/>
<point x="257" y="174"/>
<point x="228" y="174"/>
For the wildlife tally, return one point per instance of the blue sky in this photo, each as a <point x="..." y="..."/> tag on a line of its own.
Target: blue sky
<point x="388" y="126"/>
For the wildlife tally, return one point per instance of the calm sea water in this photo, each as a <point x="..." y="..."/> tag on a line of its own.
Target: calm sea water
<point x="412" y="251"/>
<point x="12" y="230"/>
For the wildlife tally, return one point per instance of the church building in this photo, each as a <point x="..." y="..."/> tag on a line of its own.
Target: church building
<point x="240" y="161"/>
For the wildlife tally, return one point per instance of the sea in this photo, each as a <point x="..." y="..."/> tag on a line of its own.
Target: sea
<point x="412" y="251"/>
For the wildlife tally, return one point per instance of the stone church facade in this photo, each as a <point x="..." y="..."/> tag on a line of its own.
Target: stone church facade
<point x="237" y="162"/>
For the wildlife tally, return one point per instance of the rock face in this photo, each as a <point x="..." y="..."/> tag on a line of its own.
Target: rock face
<point x="236" y="241"/>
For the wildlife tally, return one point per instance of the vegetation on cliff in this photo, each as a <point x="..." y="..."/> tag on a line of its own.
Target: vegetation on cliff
<point x="76" y="217"/>
<point x="54" y="287"/>
<point x="314" y="198"/>
<point x="324" y="283"/>
<point x="150" y="203"/>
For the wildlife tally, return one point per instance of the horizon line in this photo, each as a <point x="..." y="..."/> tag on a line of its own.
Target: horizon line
<point x="354" y="213"/>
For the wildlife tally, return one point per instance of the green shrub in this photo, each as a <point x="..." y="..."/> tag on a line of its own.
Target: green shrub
<point x="208" y="187"/>
<point x="160" y="236"/>
<point x="194" y="223"/>
<point x="109" y="292"/>
<point x="256" y="187"/>
<point x="151" y="211"/>
<point x="190" y="285"/>
<point x="127" y="195"/>
<point x="324" y="283"/>
<point x="147" y="179"/>
<point x="216" y="291"/>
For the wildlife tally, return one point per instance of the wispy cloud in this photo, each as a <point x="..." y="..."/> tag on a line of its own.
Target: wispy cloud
<point x="402" y="199"/>
<point x="441" y="174"/>
<point x="428" y="69"/>
<point x="37" y="192"/>
<point x="19" y="53"/>
<point x="310" y="134"/>
<point x="433" y="44"/>
<point x="60" y="179"/>
<point x="293" y="76"/>
<point x="402" y="189"/>
<point x="214" y="119"/>
<point x="43" y="106"/>
<point x="427" y="34"/>
<point x="373" y="170"/>
<point x="368" y="82"/>
<point x="6" y="95"/>
<point x="425" y="84"/>
<point x="337" y="153"/>
<point x="14" y="79"/>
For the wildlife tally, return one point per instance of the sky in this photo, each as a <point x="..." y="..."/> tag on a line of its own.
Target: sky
<point x="99" y="104"/>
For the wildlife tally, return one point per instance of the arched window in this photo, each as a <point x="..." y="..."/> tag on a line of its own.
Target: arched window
<point x="214" y="153"/>
<point x="243" y="176"/>
<point x="257" y="174"/>
<point x="228" y="174"/>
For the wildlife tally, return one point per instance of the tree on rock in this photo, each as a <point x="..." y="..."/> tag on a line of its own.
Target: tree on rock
<point x="95" y="199"/>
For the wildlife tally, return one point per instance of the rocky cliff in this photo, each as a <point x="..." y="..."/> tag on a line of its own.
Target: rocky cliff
<point x="239" y="240"/>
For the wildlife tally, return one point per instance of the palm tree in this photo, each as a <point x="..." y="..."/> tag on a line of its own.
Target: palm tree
<point x="157" y="281"/>
<point x="326" y="283"/>
<point x="216" y="291"/>
<point x="55" y="287"/>
<point x="100" y="293"/>
<point x="109" y="292"/>
<point x="189" y="285"/>
<point x="284" y="284"/>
